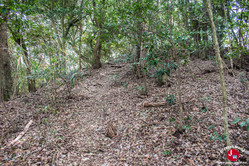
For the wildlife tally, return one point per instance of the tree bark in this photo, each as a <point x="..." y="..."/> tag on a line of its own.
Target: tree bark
<point x="99" y="24"/>
<point x="97" y="54"/>
<point x="31" y="81"/>
<point x="20" y="41"/>
<point x="221" y="71"/>
<point x="139" y="43"/>
<point x="177" y="59"/>
<point x="6" y="81"/>
<point x="138" y="49"/>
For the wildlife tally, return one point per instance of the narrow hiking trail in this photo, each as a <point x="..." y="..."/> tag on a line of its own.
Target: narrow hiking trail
<point x="76" y="134"/>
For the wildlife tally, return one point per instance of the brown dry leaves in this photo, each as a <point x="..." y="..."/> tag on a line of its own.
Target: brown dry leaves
<point x="78" y="134"/>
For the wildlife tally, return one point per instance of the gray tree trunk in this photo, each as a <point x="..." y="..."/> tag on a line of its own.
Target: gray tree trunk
<point x="222" y="80"/>
<point x="6" y="81"/>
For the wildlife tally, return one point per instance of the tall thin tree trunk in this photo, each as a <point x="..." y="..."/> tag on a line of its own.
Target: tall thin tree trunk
<point x="63" y="46"/>
<point x="229" y="37"/>
<point x="177" y="59"/>
<point x="31" y="81"/>
<point x="97" y="53"/>
<point x="6" y="81"/>
<point x="179" y="93"/>
<point x="222" y="80"/>
<point x="80" y="46"/>
<point x="138" y="49"/>
<point x="139" y="43"/>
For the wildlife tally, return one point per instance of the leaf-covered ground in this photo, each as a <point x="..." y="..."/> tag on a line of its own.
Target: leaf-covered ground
<point x="75" y="133"/>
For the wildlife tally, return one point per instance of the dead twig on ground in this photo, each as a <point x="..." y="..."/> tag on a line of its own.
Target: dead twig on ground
<point x="20" y="135"/>
<point x="147" y="104"/>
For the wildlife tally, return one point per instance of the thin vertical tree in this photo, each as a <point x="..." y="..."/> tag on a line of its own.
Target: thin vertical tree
<point x="221" y="71"/>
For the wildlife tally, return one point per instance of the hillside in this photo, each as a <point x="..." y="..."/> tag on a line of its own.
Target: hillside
<point x="76" y="132"/>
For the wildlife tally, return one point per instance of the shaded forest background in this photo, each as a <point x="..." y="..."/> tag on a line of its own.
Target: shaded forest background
<point x="55" y="39"/>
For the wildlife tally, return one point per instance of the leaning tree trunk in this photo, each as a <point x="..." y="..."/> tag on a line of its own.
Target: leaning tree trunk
<point x="222" y="80"/>
<point x="6" y="81"/>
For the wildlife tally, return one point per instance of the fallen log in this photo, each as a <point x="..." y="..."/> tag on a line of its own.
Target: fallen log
<point x="158" y="104"/>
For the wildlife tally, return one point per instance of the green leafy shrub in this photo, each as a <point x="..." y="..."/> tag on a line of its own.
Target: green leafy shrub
<point x="242" y="123"/>
<point x="114" y="78"/>
<point x="170" y="99"/>
<point x="217" y="136"/>
<point x="243" y="78"/>
<point x="125" y="84"/>
<point x="143" y="90"/>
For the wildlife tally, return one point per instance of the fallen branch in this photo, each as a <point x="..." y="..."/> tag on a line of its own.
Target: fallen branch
<point x="117" y="66"/>
<point x="20" y="135"/>
<point x="147" y="104"/>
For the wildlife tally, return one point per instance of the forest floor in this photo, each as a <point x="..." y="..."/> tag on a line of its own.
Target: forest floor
<point x="75" y="132"/>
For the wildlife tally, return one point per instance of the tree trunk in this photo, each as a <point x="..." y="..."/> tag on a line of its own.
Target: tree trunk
<point x="138" y="44"/>
<point x="99" y="24"/>
<point x="179" y="93"/>
<point x="97" y="54"/>
<point x="230" y="43"/>
<point x="138" y="50"/>
<point x="222" y="80"/>
<point x="6" y="81"/>
<point x="20" y="41"/>
<point x="177" y="59"/>
<point x="80" y="46"/>
<point x="31" y="81"/>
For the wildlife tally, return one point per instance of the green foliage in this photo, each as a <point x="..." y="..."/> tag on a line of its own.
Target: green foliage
<point x="48" y="109"/>
<point x="211" y="127"/>
<point x="170" y="99"/>
<point x="114" y="78"/>
<point x="172" y="119"/>
<point x="187" y="127"/>
<point x="125" y="84"/>
<point x="243" y="78"/>
<point x="204" y="109"/>
<point x="53" y="48"/>
<point x="167" y="153"/>
<point x="123" y="58"/>
<point x="206" y="99"/>
<point x="242" y="123"/>
<point x="217" y="136"/>
<point x="188" y="118"/>
<point x="142" y="89"/>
